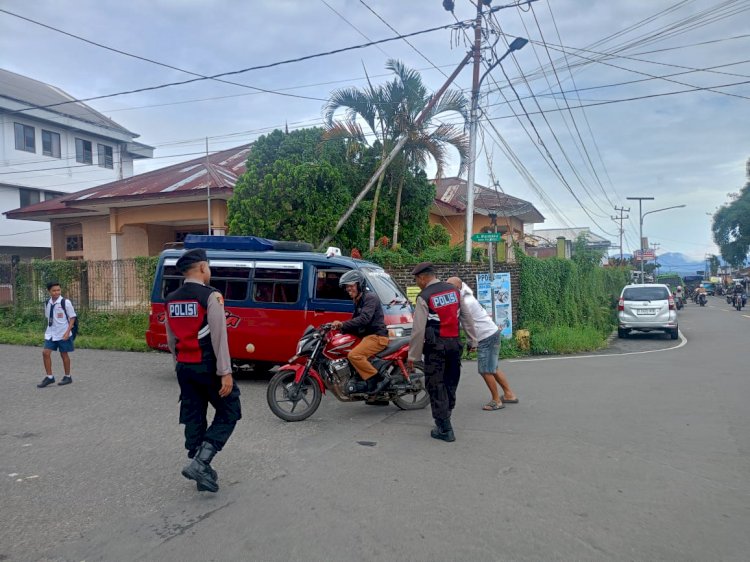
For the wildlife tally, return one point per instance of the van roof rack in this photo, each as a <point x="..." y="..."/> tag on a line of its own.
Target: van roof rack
<point x="246" y="243"/>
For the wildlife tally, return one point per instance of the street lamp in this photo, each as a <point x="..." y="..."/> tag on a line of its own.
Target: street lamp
<point x="515" y="45"/>
<point x="641" y="215"/>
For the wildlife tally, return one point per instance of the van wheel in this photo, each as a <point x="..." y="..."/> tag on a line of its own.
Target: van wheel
<point x="284" y="246"/>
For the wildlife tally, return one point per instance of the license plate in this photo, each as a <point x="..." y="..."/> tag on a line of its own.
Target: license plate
<point x="646" y="311"/>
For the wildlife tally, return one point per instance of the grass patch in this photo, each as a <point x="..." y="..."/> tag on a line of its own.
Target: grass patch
<point x="565" y="339"/>
<point x="98" y="330"/>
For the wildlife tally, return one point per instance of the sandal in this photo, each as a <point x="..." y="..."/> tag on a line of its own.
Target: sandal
<point x="493" y="405"/>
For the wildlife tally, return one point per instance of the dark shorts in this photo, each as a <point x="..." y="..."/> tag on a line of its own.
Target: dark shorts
<point x="487" y="353"/>
<point x="63" y="346"/>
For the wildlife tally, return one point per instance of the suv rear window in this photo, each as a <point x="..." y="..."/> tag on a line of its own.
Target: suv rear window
<point x="645" y="294"/>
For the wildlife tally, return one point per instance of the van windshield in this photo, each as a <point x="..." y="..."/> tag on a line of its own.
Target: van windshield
<point x="384" y="286"/>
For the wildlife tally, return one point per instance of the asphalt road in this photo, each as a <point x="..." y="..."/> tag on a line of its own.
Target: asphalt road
<point x="637" y="453"/>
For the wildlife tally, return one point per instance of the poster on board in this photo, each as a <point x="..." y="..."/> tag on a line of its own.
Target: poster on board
<point x="496" y="293"/>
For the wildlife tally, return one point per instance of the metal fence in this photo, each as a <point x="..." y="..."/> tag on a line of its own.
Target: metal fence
<point x="104" y="286"/>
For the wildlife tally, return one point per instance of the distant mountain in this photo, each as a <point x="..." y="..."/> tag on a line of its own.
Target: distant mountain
<point x="675" y="262"/>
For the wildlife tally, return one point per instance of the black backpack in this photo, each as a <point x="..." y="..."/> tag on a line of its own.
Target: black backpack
<point x="74" y="330"/>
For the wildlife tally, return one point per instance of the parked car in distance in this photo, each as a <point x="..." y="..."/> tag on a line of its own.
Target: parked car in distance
<point x="710" y="287"/>
<point x="645" y="308"/>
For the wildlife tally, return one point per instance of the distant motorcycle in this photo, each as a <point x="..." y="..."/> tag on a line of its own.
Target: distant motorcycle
<point x="739" y="301"/>
<point x="702" y="299"/>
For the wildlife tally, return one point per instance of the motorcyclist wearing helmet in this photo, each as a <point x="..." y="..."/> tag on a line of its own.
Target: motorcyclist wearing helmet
<point x="368" y="323"/>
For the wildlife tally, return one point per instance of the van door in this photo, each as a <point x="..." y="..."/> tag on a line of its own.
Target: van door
<point x="328" y="301"/>
<point x="276" y="315"/>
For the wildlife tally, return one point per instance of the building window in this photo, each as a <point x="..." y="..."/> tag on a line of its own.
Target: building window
<point x="25" y="138"/>
<point x="74" y="243"/>
<point x="49" y="195"/>
<point x="29" y="197"/>
<point x="105" y="156"/>
<point x="83" y="152"/>
<point x="50" y="144"/>
<point x="179" y="235"/>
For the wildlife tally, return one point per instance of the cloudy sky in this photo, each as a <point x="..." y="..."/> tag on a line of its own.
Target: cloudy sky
<point x="664" y="85"/>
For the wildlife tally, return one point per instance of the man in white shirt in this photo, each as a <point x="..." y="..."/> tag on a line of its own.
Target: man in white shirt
<point x="488" y="349"/>
<point x="60" y="319"/>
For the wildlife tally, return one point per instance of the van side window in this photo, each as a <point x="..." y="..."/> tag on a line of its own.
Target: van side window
<point x="277" y="284"/>
<point x="232" y="282"/>
<point x="171" y="280"/>
<point x="327" y="284"/>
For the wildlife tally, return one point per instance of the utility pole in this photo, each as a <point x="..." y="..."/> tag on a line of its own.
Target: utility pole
<point x="208" y="190"/>
<point x="640" y="232"/>
<point x="621" y="218"/>
<point x="476" y="50"/>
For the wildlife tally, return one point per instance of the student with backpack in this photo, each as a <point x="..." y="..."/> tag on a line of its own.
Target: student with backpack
<point x="62" y="326"/>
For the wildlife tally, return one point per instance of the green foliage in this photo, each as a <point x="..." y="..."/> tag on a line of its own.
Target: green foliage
<point x="145" y="270"/>
<point x="32" y="278"/>
<point x="731" y="226"/>
<point x="564" y="339"/>
<point x="116" y="331"/>
<point x="573" y="294"/>
<point x="387" y="256"/>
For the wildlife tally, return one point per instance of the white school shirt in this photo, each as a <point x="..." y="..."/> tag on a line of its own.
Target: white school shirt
<point x="483" y="323"/>
<point x="59" y="322"/>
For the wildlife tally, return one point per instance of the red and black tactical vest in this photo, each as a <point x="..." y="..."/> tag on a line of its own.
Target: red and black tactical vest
<point x="187" y="309"/>
<point x="443" y="308"/>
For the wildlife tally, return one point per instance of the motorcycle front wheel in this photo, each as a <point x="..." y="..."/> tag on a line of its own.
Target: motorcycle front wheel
<point x="419" y="399"/>
<point x="289" y="403"/>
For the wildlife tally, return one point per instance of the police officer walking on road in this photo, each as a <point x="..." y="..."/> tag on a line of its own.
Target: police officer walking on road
<point x="197" y="337"/>
<point x="435" y="332"/>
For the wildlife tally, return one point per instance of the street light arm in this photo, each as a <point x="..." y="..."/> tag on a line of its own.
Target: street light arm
<point x="664" y="209"/>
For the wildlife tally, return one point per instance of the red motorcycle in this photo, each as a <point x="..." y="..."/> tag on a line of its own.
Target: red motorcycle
<point x="295" y="391"/>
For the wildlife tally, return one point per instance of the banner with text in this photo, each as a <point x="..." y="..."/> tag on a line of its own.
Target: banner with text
<point x="495" y="293"/>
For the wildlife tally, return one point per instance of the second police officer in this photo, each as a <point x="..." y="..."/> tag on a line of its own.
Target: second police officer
<point x="197" y="337"/>
<point x="435" y="333"/>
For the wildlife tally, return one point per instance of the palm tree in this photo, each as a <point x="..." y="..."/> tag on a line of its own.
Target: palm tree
<point x="370" y="106"/>
<point x="428" y="140"/>
<point x="390" y="111"/>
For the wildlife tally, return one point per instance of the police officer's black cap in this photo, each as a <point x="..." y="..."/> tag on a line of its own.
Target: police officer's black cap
<point x="424" y="267"/>
<point x="190" y="258"/>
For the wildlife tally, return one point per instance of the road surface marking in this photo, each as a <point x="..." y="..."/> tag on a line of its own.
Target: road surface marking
<point x="746" y="316"/>
<point x="682" y="343"/>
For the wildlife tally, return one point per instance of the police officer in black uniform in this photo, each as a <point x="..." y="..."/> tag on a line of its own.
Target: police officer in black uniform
<point x="435" y="333"/>
<point x="197" y="337"/>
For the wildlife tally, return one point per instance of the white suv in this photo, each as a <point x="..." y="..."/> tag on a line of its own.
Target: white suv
<point x="647" y="307"/>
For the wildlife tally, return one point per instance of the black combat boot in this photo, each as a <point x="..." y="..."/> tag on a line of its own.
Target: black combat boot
<point x="378" y="383"/>
<point x="200" y="469"/>
<point x="443" y="430"/>
<point x="191" y="455"/>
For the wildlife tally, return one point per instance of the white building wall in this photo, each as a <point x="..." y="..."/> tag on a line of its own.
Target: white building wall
<point x="37" y="171"/>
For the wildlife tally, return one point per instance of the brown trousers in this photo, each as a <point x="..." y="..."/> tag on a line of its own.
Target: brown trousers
<point x="360" y="354"/>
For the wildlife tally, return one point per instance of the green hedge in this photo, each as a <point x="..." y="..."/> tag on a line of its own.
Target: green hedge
<point x="566" y="303"/>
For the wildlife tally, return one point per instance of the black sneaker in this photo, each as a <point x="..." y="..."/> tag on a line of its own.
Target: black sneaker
<point x="46" y="381"/>
<point x="67" y="379"/>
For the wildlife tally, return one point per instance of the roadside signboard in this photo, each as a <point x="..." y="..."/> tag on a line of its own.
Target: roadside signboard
<point x="496" y="293"/>
<point x="647" y="255"/>
<point x="487" y="237"/>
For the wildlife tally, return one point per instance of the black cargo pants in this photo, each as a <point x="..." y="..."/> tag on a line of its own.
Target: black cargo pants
<point x="442" y="367"/>
<point x="199" y="387"/>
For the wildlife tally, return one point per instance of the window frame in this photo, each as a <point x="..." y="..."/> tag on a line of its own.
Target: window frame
<point x="81" y="156"/>
<point x="68" y="238"/>
<point x="105" y="164"/>
<point x="28" y="192"/>
<point x="24" y="137"/>
<point x="277" y="284"/>
<point x="51" y="152"/>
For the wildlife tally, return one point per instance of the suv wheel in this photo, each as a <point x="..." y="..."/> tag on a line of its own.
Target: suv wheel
<point x="675" y="333"/>
<point x="621" y="333"/>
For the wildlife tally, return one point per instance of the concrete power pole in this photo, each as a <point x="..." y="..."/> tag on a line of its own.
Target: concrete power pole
<point x="621" y="218"/>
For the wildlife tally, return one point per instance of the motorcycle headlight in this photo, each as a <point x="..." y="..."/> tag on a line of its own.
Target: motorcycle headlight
<point x="395" y="332"/>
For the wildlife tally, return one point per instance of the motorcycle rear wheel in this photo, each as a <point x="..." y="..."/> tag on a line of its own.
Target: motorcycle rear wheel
<point x="277" y="395"/>
<point x="418" y="400"/>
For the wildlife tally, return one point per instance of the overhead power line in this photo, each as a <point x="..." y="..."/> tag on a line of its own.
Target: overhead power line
<point x="244" y="70"/>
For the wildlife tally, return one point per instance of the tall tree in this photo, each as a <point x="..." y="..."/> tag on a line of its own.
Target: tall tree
<point x="430" y="139"/>
<point x="367" y="105"/>
<point x="731" y="226"/>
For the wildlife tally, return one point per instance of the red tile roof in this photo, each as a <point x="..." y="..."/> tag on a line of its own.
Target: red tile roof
<point x="186" y="179"/>
<point x="450" y="199"/>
